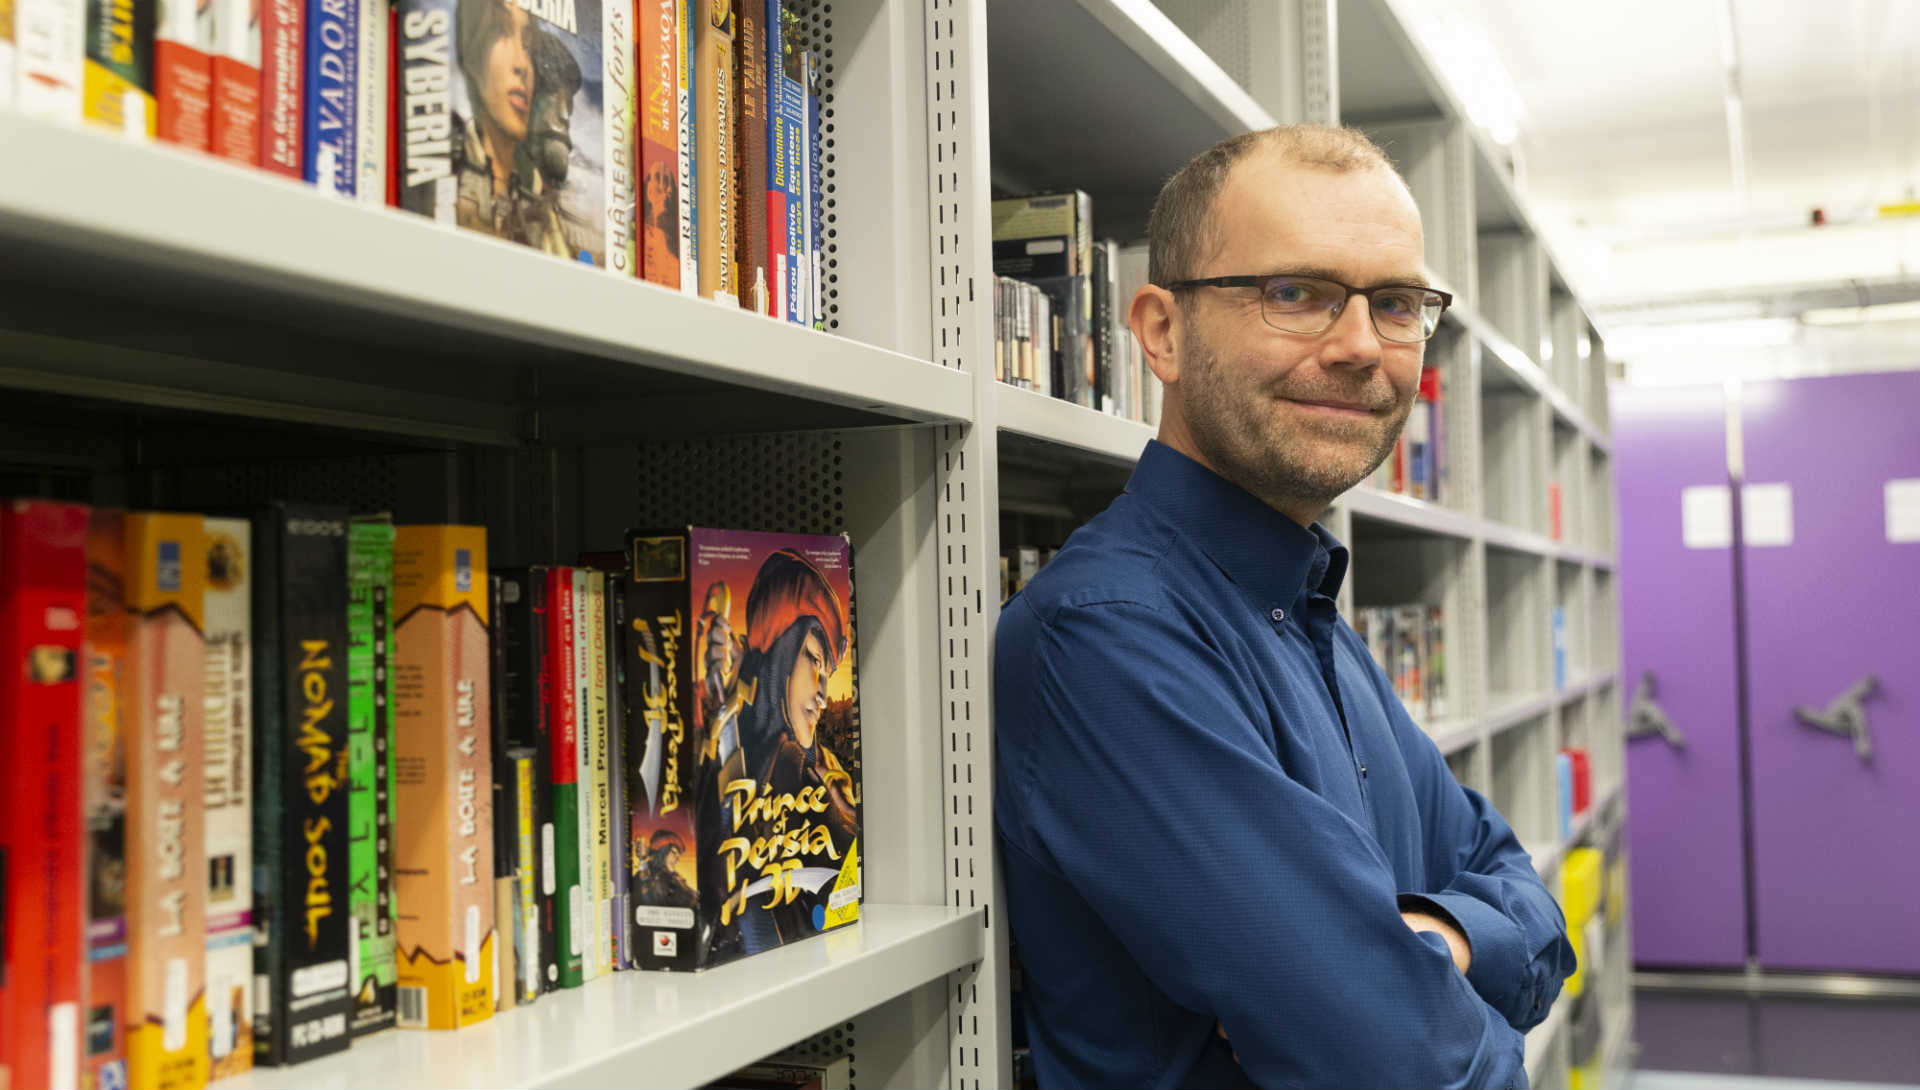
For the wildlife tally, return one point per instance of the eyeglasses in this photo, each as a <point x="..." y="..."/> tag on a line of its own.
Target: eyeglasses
<point x="1404" y="314"/>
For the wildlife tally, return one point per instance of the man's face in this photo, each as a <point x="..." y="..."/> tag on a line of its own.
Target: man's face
<point x="1300" y="418"/>
<point x="807" y="690"/>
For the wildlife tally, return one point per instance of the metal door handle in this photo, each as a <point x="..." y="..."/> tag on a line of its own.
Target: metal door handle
<point x="1845" y="715"/>
<point x="1647" y="718"/>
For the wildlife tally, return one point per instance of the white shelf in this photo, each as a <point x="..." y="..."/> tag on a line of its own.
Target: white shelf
<point x="1585" y="686"/>
<point x="151" y="226"/>
<point x="1451" y="736"/>
<point x="1051" y="420"/>
<point x="664" y="1029"/>
<point x="1368" y="502"/>
<point x="1547" y="860"/>
<point x="1503" y="536"/>
<point x="1541" y="1038"/>
<point x="1517" y="710"/>
<point x="1520" y="369"/>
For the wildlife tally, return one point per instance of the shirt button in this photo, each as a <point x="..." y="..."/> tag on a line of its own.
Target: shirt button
<point x="1279" y="614"/>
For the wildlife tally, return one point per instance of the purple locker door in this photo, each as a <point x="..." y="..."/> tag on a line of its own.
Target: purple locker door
<point x="1836" y="871"/>
<point x="1677" y="623"/>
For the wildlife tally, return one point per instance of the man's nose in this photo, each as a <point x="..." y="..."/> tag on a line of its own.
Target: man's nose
<point x="1351" y="340"/>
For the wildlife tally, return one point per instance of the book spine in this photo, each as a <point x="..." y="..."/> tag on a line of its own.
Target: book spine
<point x="618" y="826"/>
<point x="714" y="109"/>
<point x="372" y="108"/>
<point x="47" y="54"/>
<point x="116" y="81"/>
<point x="580" y="646"/>
<point x="229" y="797"/>
<point x="43" y="595"/>
<point x="816" y="193"/>
<point x="569" y="900"/>
<point x="598" y="688"/>
<point x="686" y="121"/>
<point x="233" y="122"/>
<point x="302" y="903"/>
<point x="526" y="911"/>
<point x="369" y="580"/>
<point x="524" y="593"/>
<point x="786" y="122"/>
<point x="166" y="876"/>
<point x="750" y="159"/>
<point x="443" y="759"/>
<point x="105" y="801"/>
<point x="283" y="64"/>
<point x="183" y="74"/>
<point x="620" y="86"/>
<point x="332" y="87"/>
<point x="657" y="230"/>
<point x="665" y="915"/>
<point x="426" y="180"/>
<point x="800" y="212"/>
<point x="503" y="783"/>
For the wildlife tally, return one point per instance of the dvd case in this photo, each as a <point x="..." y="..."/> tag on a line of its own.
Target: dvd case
<point x="105" y="792"/>
<point x="229" y="796"/>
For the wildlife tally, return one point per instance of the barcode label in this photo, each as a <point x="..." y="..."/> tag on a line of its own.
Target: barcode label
<point x="63" y="1045"/>
<point x="413" y="1007"/>
<point x="472" y="948"/>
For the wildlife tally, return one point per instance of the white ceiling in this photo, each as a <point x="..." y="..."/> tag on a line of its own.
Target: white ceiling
<point x="1624" y="141"/>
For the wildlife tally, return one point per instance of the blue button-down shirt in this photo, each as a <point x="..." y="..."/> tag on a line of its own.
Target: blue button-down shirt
<point x="1212" y="811"/>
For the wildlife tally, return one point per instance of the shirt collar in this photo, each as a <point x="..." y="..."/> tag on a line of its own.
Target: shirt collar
<point x="1268" y="555"/>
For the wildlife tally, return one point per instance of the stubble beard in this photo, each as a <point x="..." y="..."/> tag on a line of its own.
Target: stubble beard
<point x="1289" y="468"/>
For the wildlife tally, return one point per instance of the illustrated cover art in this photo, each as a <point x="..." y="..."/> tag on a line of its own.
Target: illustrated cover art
<point x="511" y="126"/>
<point x="229" y="797"/>
<point x="746" y="828"/>
<point x="659" y="150"/>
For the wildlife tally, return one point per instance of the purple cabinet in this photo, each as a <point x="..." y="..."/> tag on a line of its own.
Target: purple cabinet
<point x="1677" y="625"/>
<point x="1836" y="866"/>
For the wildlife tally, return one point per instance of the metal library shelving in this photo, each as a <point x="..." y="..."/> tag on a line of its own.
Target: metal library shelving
<point x="176" y="331"/>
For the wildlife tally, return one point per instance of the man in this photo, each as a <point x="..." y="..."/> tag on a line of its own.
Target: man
<point x="1231" y="858"/>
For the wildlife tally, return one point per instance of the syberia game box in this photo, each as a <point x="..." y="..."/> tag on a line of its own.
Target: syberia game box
<point x="744" y="772"/>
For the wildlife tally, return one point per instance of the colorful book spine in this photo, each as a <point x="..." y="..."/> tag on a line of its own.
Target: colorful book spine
<point x="665" y="916"/>
<point x="658" y="229"/>
<point x="621" y="87"/>
<point x="283" y="66"/>
<point x="582" y="644"/>
<point x="371" y="105"/>
<point x="183" y="72"/>
<point x="331" y="124"/>
<point x="106" y="802"/>
<point x="617" y="824"/>
<point x="43" y="600"/>
<point x="233" y="126"/>
<point x="714" y="110"/>
<point x="506" y="838"/>
<point x="686" y="121"/>
<point x="816" y="215"/>
<point x="46" y="62"/>
<point x="521" y="627"/>
<point x="443" y="757"/>
<point x="369" y="794"/>
<point x="116" y="83"/>
<point x="166" y="873"/>
<point x="598" y="689"/>
<point x="229" y="796"/>
<point x="786" y="120"/>
<point x="302" y="904"/>
<point x="526" y="904"/>
<point x="570" y="903"/>
<point x="750" y="160"/>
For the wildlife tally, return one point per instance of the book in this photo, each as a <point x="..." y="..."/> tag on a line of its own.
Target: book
<point x="442" y="760"/>
<point x="518" y="122"/>
<point x="229" y="796"/>
<point x="522" y="627"/>
<point x="581" y="645"/>
<point x="183" y="72"/>
<point x="369" y="775"/>
<point x="816" y="191"/>
<point x="47" y="45"/>
<point x="750" y="165"/>
<point x="233" y="123"/>
<point x="501" y="786"/>
<point x="786" y="118"/>
<point x="372" y="107"/>
<point x="795" y="1073"/>
<point x="166" y="871"/>
<point x="569" y="900"/>
<point x="330" y="128"/>
<point x="105" y="797"/>
<point x="618" y="848"/>
<point x="713" y="108"/>
<point x="596" y="733"/>
<point x="686" y="120"/>
<point x="283" y="67"/>
<point x="753" y="838"/>
<point x="302" y="904"/>
<point x="43" y="602"/>
<point x="116" y="83"/>
<point x="520" y="958"/>
<point x="659" y="147"/>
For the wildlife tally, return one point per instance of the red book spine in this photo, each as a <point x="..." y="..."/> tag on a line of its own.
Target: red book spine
<point x="235" y="127"/>
<point x="282" y="60"/>
<point x="43" y="602"/>
<point x="183" y="88"/>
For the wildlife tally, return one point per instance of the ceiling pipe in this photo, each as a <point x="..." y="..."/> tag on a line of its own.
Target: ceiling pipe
<point x="1735" y="104"/>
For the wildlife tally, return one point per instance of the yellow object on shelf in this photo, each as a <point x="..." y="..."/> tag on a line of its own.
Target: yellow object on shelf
<point x="1580" y="878"/>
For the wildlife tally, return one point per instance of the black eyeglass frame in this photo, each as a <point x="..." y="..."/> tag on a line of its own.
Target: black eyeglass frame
<point x="1373" y="313"/>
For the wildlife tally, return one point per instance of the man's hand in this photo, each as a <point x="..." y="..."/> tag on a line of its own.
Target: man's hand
<point x="1456" y="942"/>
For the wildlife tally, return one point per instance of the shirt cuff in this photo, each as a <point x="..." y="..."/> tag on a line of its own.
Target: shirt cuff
<point x="1498" y="970"/>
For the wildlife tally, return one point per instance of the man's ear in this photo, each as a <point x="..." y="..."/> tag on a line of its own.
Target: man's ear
<point x="1156" y="319"/>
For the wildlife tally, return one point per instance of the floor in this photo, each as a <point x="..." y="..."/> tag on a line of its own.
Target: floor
<point x="1697" y="1042"/>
